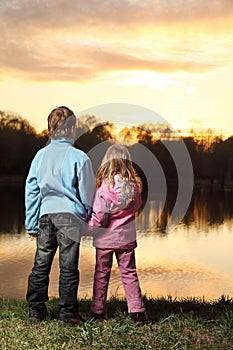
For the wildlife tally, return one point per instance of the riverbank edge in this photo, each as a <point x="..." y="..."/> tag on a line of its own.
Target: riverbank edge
<point x="19" y="180"/>
<point x="12" y="180"/>
<point x="155" y="307"/>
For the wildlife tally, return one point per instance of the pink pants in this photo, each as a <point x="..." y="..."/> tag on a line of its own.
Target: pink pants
<point x="127" y="266"/>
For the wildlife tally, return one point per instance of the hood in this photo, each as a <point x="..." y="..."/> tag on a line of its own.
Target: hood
<point x="120" y="195"/>
<point x="124" y="189"/>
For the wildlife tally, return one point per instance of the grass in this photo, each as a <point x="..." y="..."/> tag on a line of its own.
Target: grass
<point x="184" y="324"/>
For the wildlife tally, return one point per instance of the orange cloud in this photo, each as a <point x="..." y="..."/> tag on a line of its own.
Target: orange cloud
<point x="65" y="40"/>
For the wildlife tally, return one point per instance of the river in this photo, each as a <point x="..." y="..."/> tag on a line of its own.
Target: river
<point x="193" y="260"/>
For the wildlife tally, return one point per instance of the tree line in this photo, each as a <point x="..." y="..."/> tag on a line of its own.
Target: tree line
<point x="211" y="156"/>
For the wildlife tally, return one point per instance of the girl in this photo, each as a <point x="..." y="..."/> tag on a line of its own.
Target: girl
<point x="116" y="201"/>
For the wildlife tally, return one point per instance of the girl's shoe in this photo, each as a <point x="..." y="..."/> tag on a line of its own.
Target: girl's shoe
<point x="139" y="318"/>
<point x="99" y="317"/>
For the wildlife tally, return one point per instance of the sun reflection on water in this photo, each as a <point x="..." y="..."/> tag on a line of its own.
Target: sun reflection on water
<point x="182" y="264"/>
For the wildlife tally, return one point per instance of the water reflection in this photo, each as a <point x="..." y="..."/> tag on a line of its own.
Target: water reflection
<point x="193" y="260"/>
<point x="11" y="209"/>
<point x="207" y="208"/>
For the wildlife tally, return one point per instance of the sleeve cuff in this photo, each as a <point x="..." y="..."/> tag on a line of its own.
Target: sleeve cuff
<point x="32" y="232"/>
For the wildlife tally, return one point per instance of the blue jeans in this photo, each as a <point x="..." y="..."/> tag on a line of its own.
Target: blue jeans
<point x="53" y="234"/>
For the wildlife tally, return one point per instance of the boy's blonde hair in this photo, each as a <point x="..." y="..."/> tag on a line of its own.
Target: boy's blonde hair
<point x="60" y="122"/>
<point x="117" y="160"/>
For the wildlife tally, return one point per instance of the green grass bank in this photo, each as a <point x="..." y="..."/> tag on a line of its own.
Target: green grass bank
<point x="185" y="324"/>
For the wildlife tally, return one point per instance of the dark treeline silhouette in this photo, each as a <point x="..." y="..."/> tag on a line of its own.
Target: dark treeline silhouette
<point x="18" y="144"/>
<point x="212" y="158"/>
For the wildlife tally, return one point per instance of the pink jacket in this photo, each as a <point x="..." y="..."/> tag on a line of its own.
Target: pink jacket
<point x="113" y="213"/>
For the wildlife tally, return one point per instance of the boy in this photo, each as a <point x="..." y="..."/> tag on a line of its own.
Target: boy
<point x="58" y="197"/>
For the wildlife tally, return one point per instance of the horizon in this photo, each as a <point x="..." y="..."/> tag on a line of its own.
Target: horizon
<point x="155" y="128"/>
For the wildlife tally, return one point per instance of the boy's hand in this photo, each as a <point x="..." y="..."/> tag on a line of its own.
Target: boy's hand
<point x="32" y="237"/>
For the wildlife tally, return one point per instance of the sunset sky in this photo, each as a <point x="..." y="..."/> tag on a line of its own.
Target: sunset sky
<point x="172" y="57"/>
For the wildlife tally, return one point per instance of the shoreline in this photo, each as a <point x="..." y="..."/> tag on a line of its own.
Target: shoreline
<point x="12" y="180"/>
<point x="19" y="180"/>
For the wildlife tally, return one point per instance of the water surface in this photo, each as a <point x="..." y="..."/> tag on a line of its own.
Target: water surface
<point x="195" y="259"/>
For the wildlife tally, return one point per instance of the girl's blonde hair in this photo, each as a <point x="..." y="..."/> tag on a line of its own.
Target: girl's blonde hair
<point x="117" y="160"/>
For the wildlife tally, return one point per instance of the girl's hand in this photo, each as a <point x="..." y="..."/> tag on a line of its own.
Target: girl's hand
<point x="32" y="237"/>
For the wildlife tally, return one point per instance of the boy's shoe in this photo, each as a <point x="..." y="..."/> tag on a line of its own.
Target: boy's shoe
<point x="102" y="318"/>
<point x="72" y="321"/>
<point x="37" y="315"/>
<point x="139" y="318"/>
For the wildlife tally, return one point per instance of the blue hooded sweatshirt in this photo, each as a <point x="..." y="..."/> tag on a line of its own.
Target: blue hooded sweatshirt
<point x="60" y="180"/>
